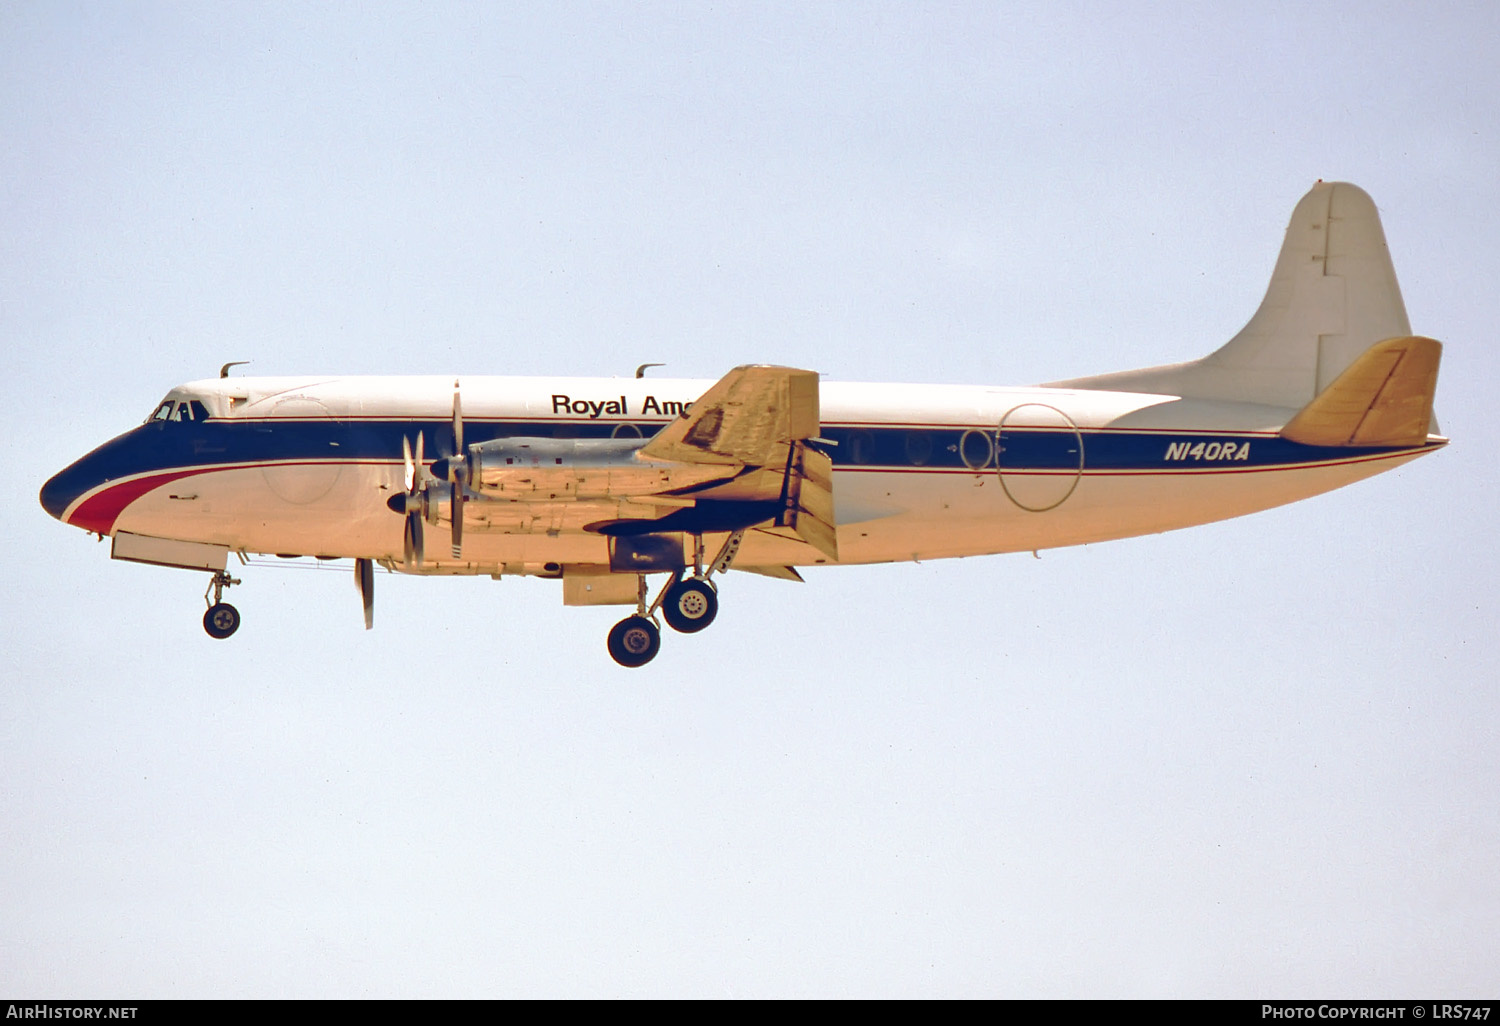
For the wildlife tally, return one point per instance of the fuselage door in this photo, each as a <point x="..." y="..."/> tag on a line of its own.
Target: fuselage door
<point x="1039" y="456"/>
<point x="303" y="443"/>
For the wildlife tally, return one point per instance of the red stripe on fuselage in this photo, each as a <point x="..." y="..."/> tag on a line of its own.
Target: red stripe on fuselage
<point x="99" y="512"/>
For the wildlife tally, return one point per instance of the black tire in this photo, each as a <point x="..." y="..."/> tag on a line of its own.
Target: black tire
<point x="221" y="620"/>
<point x="634" y="641"/>
<point x="690" y="606"/>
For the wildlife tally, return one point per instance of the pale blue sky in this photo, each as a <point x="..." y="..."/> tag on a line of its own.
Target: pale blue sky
<point x="1251" y="759"/>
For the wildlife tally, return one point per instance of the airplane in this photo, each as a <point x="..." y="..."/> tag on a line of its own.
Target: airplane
<point x="604" y="483"/>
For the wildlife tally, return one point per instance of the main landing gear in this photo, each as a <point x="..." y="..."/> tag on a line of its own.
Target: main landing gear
<point x="634" y="641"/>
<point x="222" y="619"/>
<point x="688" y="605"/>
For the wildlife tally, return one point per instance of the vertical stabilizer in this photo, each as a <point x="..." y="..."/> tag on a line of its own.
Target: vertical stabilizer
<point x="1332" y="296"/>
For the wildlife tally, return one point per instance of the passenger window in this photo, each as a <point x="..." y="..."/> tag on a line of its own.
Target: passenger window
<point x="918" y="448"/>
<point x="862" y="446"/>
<point x="976" y="448"/>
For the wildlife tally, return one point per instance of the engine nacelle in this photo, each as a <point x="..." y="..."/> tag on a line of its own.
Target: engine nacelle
<point x="571" y="468"/>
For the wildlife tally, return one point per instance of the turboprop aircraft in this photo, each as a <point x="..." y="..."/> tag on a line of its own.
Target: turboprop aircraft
<point x="605" y="483"/>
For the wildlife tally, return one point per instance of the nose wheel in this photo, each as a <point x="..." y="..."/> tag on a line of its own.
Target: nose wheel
<point x="222" y="619"/>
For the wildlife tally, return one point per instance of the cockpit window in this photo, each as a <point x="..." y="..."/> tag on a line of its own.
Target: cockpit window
<point x="189" y="411"/>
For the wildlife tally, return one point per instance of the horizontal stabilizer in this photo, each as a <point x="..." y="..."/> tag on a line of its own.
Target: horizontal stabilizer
<point x="1383" y="398"/>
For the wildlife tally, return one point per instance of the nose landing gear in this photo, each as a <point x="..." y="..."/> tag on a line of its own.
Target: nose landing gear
<point x="222" y="619"/>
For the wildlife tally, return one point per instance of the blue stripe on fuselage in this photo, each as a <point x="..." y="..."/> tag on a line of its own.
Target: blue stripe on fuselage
<point x="161" y="446"/>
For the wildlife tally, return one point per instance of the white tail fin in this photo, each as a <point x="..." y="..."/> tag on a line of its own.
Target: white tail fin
<point x="1332" y="296"/>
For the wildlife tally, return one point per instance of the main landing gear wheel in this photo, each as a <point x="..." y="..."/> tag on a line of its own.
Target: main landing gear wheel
<point x="221" y="620"/>
<point x="634" y="641"/>
<point x="690" y="605"/>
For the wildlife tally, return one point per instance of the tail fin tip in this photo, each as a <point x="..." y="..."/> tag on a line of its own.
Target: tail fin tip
<point x="1333" y="294"/>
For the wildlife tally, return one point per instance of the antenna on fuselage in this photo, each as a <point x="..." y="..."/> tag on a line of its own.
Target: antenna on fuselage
<point x="224" y="370"/>
<point x="640" y="371"/>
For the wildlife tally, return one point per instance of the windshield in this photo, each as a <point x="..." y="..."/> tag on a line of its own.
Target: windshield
<point x="178" y="411"/>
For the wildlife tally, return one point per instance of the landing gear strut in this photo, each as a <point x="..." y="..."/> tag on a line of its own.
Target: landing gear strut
<point x="688" y="605"/>
<point x="635" y="640"/>
<point x="222" y="619"/>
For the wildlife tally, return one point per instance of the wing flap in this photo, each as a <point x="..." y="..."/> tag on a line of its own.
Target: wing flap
<point x="807" y="499"/>
<point x="1384" y="398"/>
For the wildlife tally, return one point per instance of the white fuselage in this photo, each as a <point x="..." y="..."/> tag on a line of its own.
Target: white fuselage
<point x="308" y="466"/>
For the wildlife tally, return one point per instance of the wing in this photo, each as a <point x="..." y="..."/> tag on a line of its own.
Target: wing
<point x="737" y="458"/>
<point x="760" y="418"/>
<point x="749" y="417"/>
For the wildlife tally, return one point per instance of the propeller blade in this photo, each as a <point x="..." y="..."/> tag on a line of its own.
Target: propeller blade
<point x="457" y="511"/>
<point x="415" y="504"/>
<point x="364" y="579"/>
<point x="457" y="472"/>
<point x="458" y="425"/>
<point x="412" y="539"/>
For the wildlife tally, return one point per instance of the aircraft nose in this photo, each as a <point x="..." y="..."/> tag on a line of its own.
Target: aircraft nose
<point x="56" y="494"/>
<point x="64" y="487"/>
<point x="86" y="479"/>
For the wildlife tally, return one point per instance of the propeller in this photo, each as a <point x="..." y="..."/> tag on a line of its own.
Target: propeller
<point x="454" y="468"/>
<point x="412" y="503"/>
<point x="417" y="503"/>
<point x="458" y="473"/>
